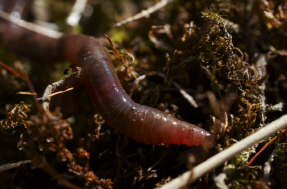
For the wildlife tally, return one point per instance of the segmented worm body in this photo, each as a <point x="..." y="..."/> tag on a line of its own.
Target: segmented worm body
<point x="141" y="123"/>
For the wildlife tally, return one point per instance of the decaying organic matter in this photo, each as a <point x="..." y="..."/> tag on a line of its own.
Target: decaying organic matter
<point x="230" y="56"/>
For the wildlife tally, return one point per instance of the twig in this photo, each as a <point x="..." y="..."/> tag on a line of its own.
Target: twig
<point x="159" y="43"/>
<point x="30" y="26"/>
<point x="264" y="147"/>
<point x="46" y="167"/>
<point x="13" y="165"/>
<point x="126" y="59"/>
<point x="13" y="71"/>
<point x="220" y="158"/>
<point x="25" y="93"/>
<point x="55" y="93"/>
<point x="267" y="165"/>
<point x="184" y="94"/>
<point x="115" y="51"/>
<point x="30" y="85"/>
<point x="180" y="89"/>
<point x="75" y="15"/>
<point x="25" y="78"/>
<point x="69" y="85"/>
<point x="145" y="13"/>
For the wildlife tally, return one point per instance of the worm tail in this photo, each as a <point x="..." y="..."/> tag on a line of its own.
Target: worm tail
<point x="150" y="125"/>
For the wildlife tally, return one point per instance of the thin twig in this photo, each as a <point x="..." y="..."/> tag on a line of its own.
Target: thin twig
<point x="40" y="162"/>
<point x="30" y="85"/>
<point x="75" y="15"/>
<point x="180" y="89"/>
<point x="264" y="147"/>
<point x="128" y="57"/>
<point x="25" y="93"/>
<point x="220" y="158"/>
<point x="189" y="98"/>
<point x="25" y="78"/>
<point x="13" y="165"/>
<point x="145" y="13"/>
<point x="184" y="94"/>
<point x="116" y="51"/>
<point x="55" y="93"/>
<point x="30" y="26"/>
<point x="267" y="165"/>
<point x="13" y="71"/>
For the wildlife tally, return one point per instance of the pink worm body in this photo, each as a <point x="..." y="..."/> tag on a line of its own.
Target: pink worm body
<point x="141" y="123"/>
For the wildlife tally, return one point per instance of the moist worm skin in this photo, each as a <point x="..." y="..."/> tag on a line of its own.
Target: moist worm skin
<point x="141" y="123"/>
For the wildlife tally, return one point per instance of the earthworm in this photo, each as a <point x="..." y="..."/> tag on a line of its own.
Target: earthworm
<point x="139" y="122"/>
